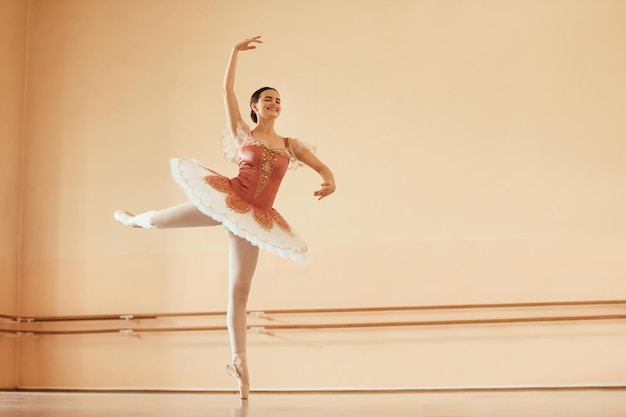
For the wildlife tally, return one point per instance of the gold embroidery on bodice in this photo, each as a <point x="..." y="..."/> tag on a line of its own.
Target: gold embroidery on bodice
<point x="268" y="162"/>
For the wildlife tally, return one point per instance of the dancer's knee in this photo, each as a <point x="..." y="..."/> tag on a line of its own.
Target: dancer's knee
<point x="239" y="294"/>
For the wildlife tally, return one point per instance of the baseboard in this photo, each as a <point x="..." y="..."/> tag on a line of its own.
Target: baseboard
<point x="320" y="390"/>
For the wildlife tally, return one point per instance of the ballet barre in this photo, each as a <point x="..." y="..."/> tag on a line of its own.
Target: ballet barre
<point x="33" y="325"/>
<point x="268" y="313"/>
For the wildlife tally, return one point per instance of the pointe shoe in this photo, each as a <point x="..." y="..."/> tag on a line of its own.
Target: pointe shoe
<point x="236" y="370"/>
<point x="125" y="218"/>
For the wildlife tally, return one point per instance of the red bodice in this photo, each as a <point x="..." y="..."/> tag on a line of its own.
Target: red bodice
<point x="261" y="171"/>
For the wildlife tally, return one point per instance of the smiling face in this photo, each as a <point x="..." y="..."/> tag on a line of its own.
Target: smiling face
<point x="268" y="105"/>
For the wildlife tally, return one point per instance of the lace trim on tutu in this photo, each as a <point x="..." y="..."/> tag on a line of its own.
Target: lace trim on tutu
<point x="230" y="146"/>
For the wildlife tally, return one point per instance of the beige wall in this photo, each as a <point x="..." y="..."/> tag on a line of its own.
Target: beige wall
<point x="12" y="55"/>
<point x="477" y="147"/>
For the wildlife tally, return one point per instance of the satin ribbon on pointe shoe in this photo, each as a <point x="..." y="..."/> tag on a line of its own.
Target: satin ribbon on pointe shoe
<point x="244" y="386"/>
<point x="125" y="218"/>
<point x="141" y="220"/>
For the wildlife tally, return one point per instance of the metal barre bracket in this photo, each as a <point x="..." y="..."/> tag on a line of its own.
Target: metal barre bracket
<point x="258" y="329"/>
<point x="127" y="317"/>
<point x="25" y="320"/>
<point x="261" y="315"/>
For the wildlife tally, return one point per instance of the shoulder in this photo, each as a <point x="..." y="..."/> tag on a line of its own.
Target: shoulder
<point x="289" y="141"/>
<point x="298" y="151"/>
<point x="233" y="141"/>
<point x="293" y="142"/>
<point x="297" y="146"/>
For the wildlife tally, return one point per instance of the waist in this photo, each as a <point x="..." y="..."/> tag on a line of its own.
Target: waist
<point x="251" y="193"/>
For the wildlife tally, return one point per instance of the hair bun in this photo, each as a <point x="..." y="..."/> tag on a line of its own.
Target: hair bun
<point x="253" y="116"/>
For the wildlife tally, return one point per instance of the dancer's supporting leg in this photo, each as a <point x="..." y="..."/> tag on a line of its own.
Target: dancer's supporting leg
<point x="182" y="215"/>
<point x="243" y="258"/>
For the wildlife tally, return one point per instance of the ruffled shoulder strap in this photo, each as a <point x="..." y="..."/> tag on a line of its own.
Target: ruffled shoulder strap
<point x="231" y="145"/>
<point x="294" y="147"/>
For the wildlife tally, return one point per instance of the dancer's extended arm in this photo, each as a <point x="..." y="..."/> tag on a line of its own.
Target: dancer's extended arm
<point x="230" y="101"/>
<point x="328" y="186"/>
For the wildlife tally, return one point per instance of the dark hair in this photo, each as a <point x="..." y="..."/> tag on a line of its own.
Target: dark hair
<point x="255" y="99"/>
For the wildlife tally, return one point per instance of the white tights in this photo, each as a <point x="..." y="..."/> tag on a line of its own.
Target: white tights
<point x="242" y="262"/>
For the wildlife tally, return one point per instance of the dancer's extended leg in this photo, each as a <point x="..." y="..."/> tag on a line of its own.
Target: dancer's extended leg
<point x="243" y="258"/>
<point x="182" y="215"/>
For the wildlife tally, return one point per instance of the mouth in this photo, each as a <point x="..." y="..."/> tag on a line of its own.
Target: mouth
<point x="272" y="108"/>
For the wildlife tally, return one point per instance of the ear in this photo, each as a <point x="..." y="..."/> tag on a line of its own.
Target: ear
<point x="254" y="107"/>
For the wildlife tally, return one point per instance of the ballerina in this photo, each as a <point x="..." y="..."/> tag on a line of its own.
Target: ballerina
<point x="243" y="204"/>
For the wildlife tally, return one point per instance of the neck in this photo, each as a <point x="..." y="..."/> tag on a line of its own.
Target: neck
<point x="266" y="126"/>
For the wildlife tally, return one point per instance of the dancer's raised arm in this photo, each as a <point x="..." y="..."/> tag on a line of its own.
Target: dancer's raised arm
<point x="230" y="101"/>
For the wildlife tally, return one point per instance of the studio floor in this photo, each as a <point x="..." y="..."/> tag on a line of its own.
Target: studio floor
<point x="574" y="403"/>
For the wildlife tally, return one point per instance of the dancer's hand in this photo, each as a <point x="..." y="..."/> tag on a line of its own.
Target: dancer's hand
<point x="327" y="189"/>
<point x="248" y="44"/>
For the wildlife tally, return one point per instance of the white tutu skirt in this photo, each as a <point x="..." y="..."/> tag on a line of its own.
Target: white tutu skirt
<point x="267" y="230"/>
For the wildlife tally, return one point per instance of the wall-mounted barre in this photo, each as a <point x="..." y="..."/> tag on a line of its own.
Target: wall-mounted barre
<point x="329" y="326"/>
<point x="109" y="317"/>
<point x="263" y="313"/>
<point x="442" y="307"/>
<point x="25" y="324"/>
